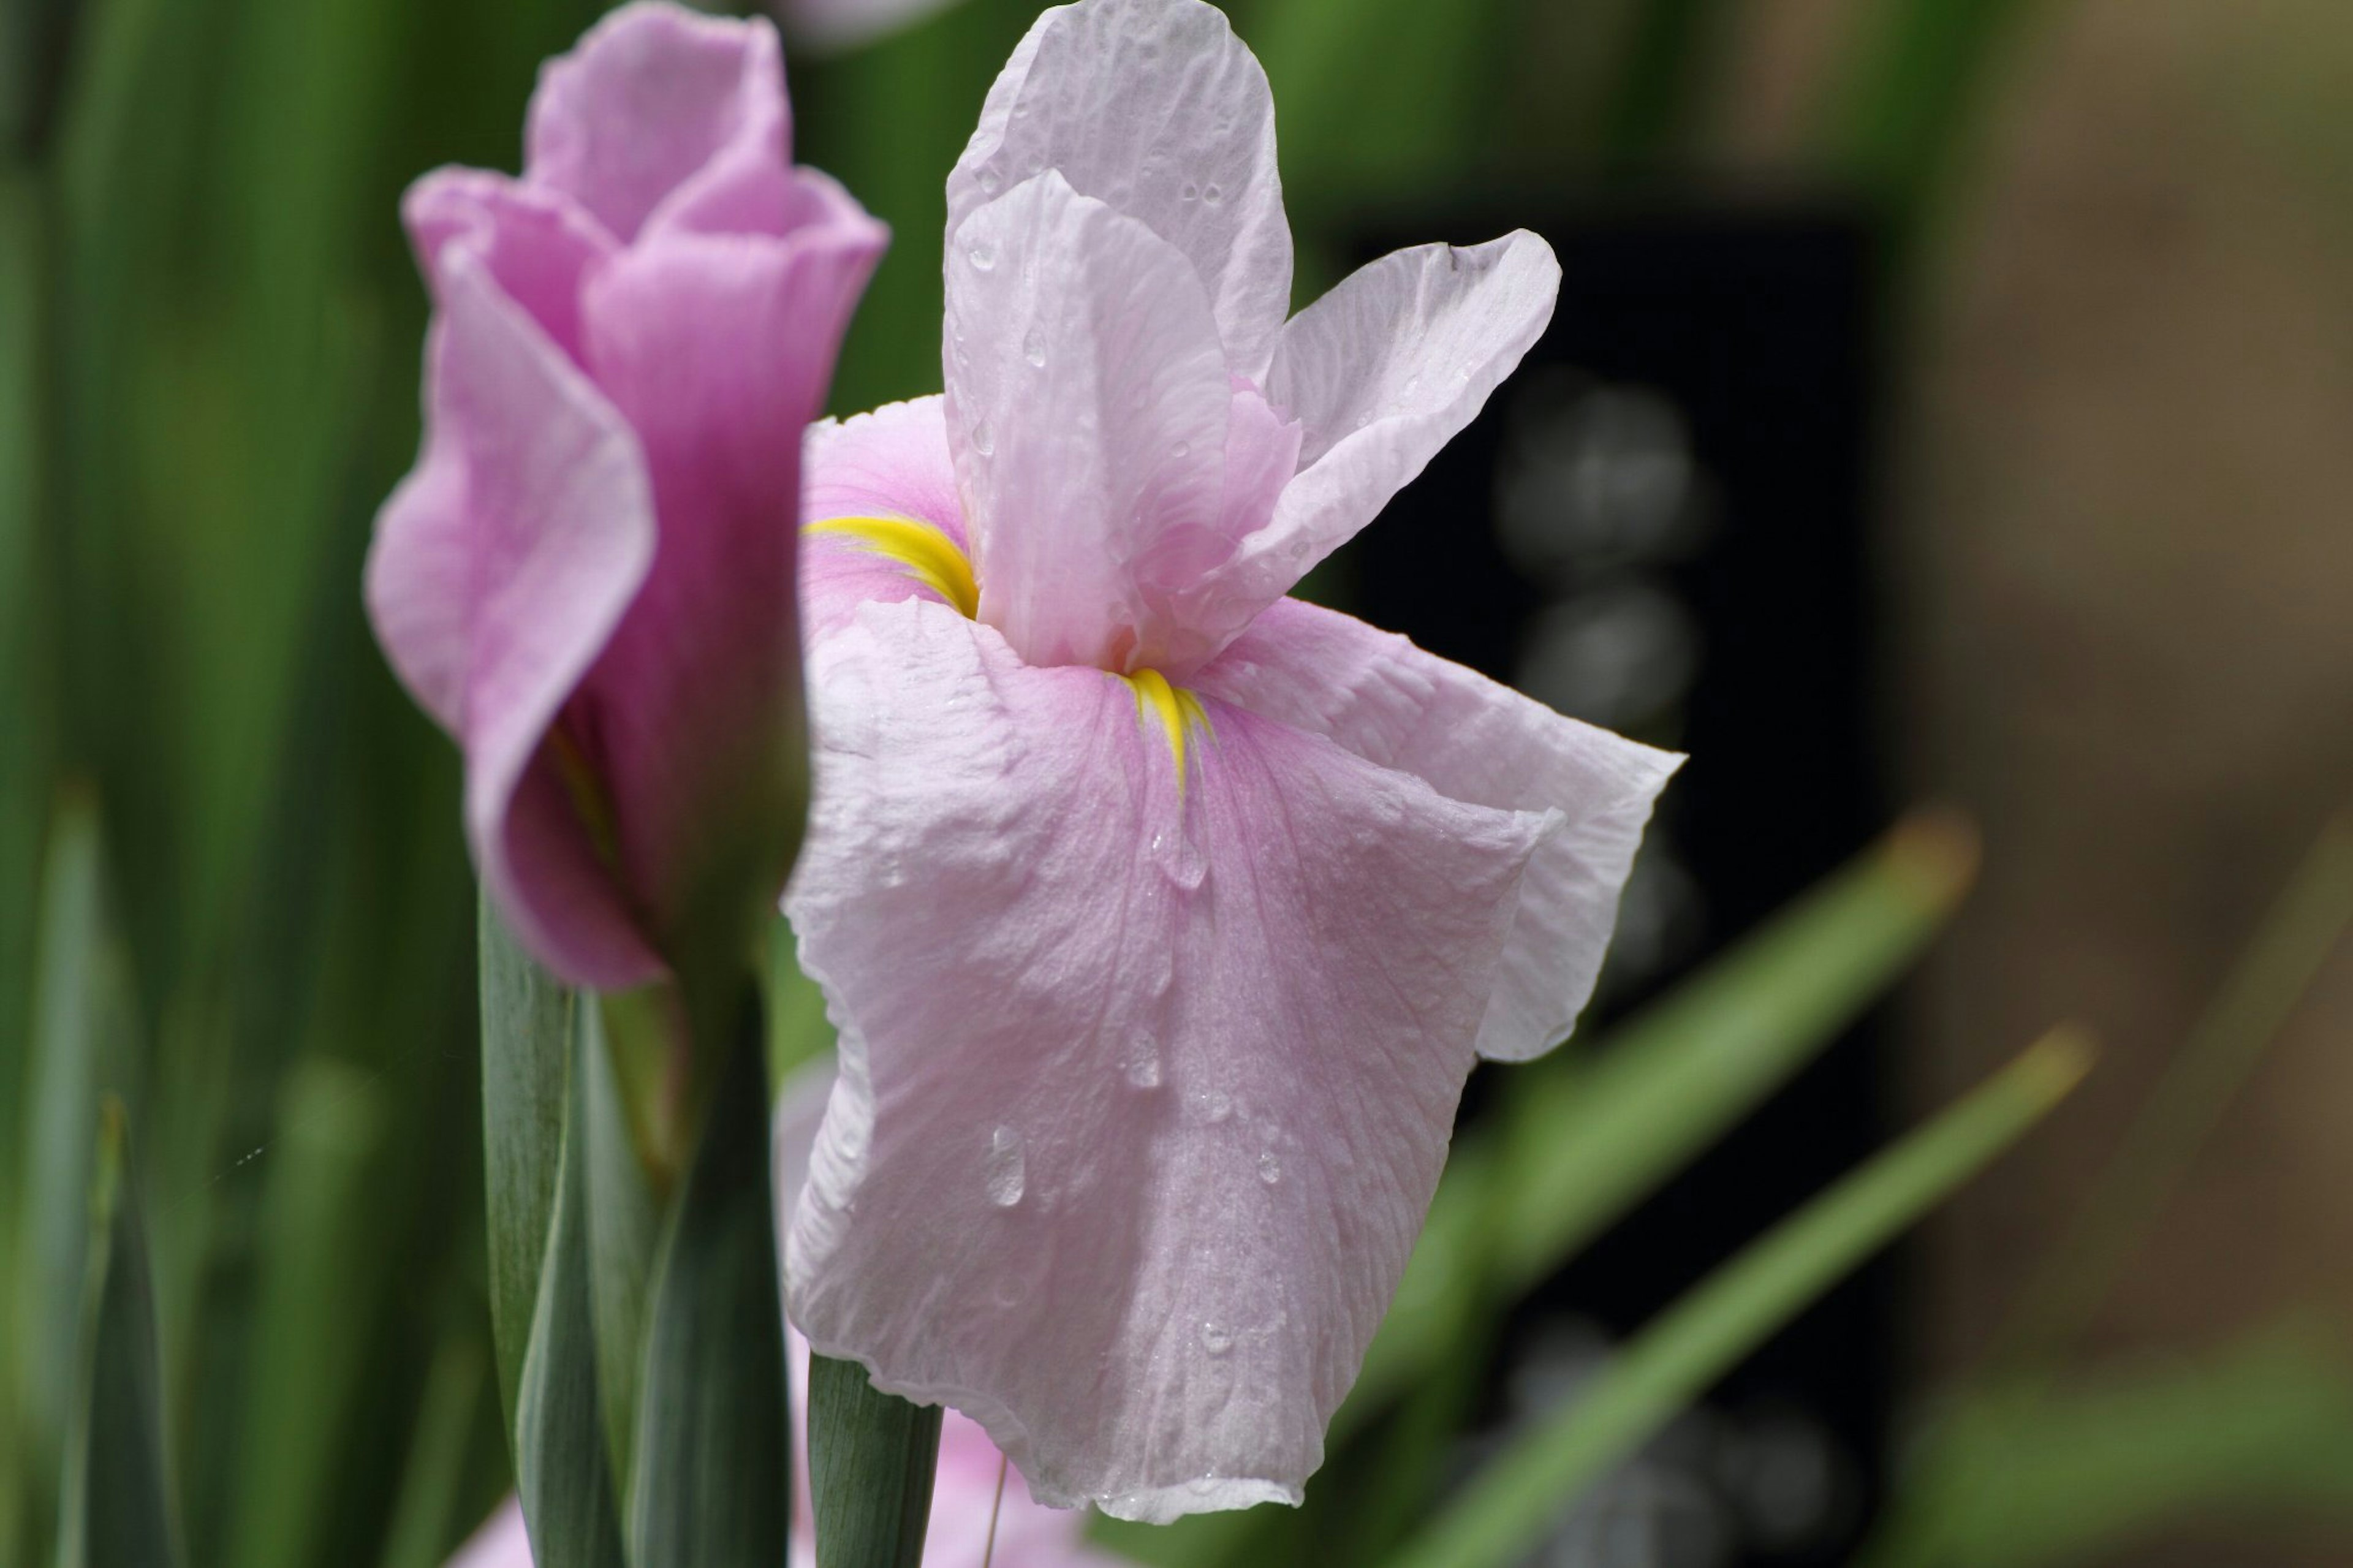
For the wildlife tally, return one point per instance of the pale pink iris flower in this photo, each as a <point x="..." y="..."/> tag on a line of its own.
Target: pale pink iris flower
<point x="1163" y="916"/>
<point x="587" y="578"/>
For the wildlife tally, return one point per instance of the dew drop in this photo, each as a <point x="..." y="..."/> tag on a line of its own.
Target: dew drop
<point x="984" y="439"/>
<point x="1033" y="348"/>
<point x="989" y="180"/>
<point x="1141" y="1060"/>
<point x="1212" y="1104"/>
<point x="1007" y="1292"/>
<point x="1212" y="194"/>
<point x="1190" y="192"/>
<point x="1270" y="1169"/>
<point x="1216" y="1338"/>
<point x="982" y="255"/>
<point x="1004" y="1168"/>
<point x="1183" y="449"/>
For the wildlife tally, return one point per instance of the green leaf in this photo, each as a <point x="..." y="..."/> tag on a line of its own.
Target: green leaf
<point x="320" y="1270"/>
<point x="2028" y="1473"/>
<point x="624" y="1217"/>
<point x="713" y="1482"/>
<point x="1587" y="1136"/>
<point x="432" y="1482"/>
<point x="562" y="1464"/>
<point x="115" y="1508"/>
<point x="79" y="1039"/>
<point x="872" y="1457"/>
<point x="528" y="1024"/>
<point x="1510" y="1504"/>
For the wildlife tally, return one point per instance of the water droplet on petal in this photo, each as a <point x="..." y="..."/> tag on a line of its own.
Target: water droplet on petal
<point x="1270" y="1169"/>
<point x="982" y="255"/>
<point x="1212" y="194"/>
<point x="1212" y="1103"/>
<point x="1005" y="1176"/>
<point x="984" y="439"/>
<point x="989" y="180"/>
<point x="1189" y="191"/>
<point x="1217" y="1338"/>
<point x="1183" y="449"/>
<point x="1033" y="348"/>
<point x="1141" y="1060"/>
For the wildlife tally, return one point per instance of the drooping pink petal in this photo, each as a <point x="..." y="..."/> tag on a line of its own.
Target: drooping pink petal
<point x="1159" y="111"/>
<point x="1144" y="1089"/>
<point x="891" y="464"/>
<point x="498" y="569"/>
<point x="1473" y="740"/>
<point x="717" y="349"/>
<point x="651" y="96"/>
<point x="1087" y="402"/>
<point x="1381" y="372"/>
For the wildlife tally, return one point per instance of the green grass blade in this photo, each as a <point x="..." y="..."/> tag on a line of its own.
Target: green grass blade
<point x="425" y="1517"/>
<point x="115" y="1511"/>
<point x="1508" y="1506"/>
<point x="321" y="1270"/>
<point x="2028" y="1473"/>
<point x="873" y="1459"/>
<point x="1581" y="1144"/>
<point x="712" y="1486"/>
<point x="528" y="1019"/>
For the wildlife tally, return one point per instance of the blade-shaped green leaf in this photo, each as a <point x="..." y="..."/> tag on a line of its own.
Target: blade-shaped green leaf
<point x="528" y="1023"/>
<point x="431" y="1482"/>
<point x="2033" y="1473"/>
<point x="115" y="1508"/>
<point x="562" y="1465"/>
<point x="623" y="1228"/>
<point x="873" y="1459"/>
<point x="712" y="1487"/>
<point x="1506" y="1508"/>
<point x="322" y="1273"/>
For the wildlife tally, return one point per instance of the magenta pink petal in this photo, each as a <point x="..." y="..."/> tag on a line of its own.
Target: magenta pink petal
<point x="1143" y="1090"/>
<point x="651" y="95"/>
<point x="717" y="349"/>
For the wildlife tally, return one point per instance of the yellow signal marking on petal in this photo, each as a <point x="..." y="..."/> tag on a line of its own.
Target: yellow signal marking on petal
<point x="929" y="556"/>
<point x="1177" y="711"/>
<point x="587" y="792"/>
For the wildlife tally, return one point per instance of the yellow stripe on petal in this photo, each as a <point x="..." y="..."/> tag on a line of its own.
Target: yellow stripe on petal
<point x="929" y="556"/>
<point x="1176" y="711"/>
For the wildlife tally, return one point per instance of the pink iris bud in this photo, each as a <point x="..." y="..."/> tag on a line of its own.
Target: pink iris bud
<point x="587" y="578"/>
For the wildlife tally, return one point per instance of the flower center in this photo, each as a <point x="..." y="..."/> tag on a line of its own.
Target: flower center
<point x="1177" y="711"/>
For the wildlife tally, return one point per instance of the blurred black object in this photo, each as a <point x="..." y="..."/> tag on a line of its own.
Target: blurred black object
<point x="1660" y="525"/>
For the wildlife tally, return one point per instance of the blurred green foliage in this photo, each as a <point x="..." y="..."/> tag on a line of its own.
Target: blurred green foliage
<point x="233" y="895"/>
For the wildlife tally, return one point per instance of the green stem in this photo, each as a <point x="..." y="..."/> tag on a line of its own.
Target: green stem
<point x="871" y="1459"/>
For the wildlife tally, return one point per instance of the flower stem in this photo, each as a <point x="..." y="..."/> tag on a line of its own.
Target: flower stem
<point x="871" y="1458"/>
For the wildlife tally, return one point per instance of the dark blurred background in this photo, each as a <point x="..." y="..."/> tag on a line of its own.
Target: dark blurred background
<point x="1948" y="401"/>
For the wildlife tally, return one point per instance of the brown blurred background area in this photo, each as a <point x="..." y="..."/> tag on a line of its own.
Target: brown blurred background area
<point x="2116" y="586"/>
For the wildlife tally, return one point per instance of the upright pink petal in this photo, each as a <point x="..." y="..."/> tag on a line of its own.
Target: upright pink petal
<point x="1397" y="707"/>
<point x="1157" y="110"/>
<point x="717" y="349"/>
<point x="500" y="568"/>
<point x="1087" y="401"/>
<point x="653" y="94"/>
<point x="1381" y="372"/>
<point x="1148" y="1066"/>
<point x="499" y="1543"/>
